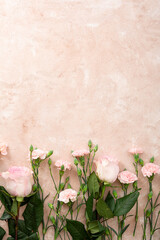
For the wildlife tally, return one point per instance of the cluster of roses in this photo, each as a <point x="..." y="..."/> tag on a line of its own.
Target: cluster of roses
<point x="20" y="181"/>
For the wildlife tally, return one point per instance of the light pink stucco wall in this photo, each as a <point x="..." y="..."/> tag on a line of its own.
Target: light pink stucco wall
<point x="71" y="70"/>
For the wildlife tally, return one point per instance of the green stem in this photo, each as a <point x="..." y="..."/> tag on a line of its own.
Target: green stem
<point x="88" y="159"/>
<point x="92" y="162"/>
<point x="57" y="208"/>
<point x="145" y="221"/>
<point x="119" y="229"/>
<point x="156" y="222"/>
<point x="50" y="170"/>
<point x="16" y="224"/>
<point x="151" y="217"/>
<point x="156" y="199"/>
<point x="136" y="215"/>
<point x="50" y="213"/>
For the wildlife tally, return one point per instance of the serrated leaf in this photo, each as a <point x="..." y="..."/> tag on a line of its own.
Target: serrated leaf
<point x="89" y="207"/>
<point x="110" y="201"/>
<point x="103" y="209"/>
<point x="93" y="185"/>
<point x="77" y="230"/>
<point x="125" y="204"/>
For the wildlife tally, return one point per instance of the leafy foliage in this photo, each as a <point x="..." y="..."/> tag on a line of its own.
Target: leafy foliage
<point x="33" y="213"/>
<point x="77" y="230"/>
<point x="93" y="185"/>
<point x="125" y="204"/>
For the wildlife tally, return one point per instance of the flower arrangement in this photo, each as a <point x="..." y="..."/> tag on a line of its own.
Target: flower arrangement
<point x="97" y="197"/>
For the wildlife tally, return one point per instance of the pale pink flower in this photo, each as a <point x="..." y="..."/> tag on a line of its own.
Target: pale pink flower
<point x="150" y="168"/>
<point x="68" y="195"/>
<point x="18" y="180"/>
<point x="127" y="177"/>
<point x="3" y="148"/>
<point x="60" y="163"/>
<point x="38" y="153"/>
<point x="80" y="153"/>
<point x="106" y="169"/>
<point x="135" y="151"/>
<point x="109" y="158"/>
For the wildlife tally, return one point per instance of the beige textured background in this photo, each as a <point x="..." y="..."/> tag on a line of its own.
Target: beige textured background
<point x="71" y="70"/>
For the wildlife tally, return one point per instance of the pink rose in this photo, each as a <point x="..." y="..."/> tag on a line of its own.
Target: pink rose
<point x="127" y="177"/>
<point x="150" y="168"/>
<point x="68" y="195"/>
<point x="3" y="148"/>
<point x="38" y="153"/>
<point x="18" y="181"/>
<point x="107" y="169"/>
<point x="64" y="163"/>
<point x="135" y="151"/>
<point x="80" y="153"/>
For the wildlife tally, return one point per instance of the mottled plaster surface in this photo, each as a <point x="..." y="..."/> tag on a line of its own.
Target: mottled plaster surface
<point x="71" y="70"/>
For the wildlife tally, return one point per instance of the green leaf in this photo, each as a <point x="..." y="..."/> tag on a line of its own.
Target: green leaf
<point x="124" y="229"/>
<point x="5" y="216"/>
<point x="14" y="208"/>
<point x="94" y="215"/>
<point x="93" y="185"/>
<point x="113" y="230"/>
<point x="23" y="232"/>
<point x="77" y="230"/>
<point x="5" y="198"/>
<point x="89" y="207"/>
<point x="32" y="237"/>
<point x="125" y="204"/>
<point x="103" y="209"/>
<point x="96" y="227"/>
<point x="33" y="213"/>
<point x="2" y="233"/>
<point x="110" y="201"/>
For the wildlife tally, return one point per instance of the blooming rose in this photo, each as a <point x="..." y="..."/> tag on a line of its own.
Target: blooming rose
<point x="150" y="168"/>
<point x="80" y="153"/>
<point x="109" y="158"/>
<point x="107" y="169"/>
<point x="64" y="163"/>
<point x="135" y="151"/>
<point x="38" y="153"/>
<point x="127" y="177"/>
<point x="67" y="195"/>
<point x="3" y="148"/>
<point x="18" y="181"/>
